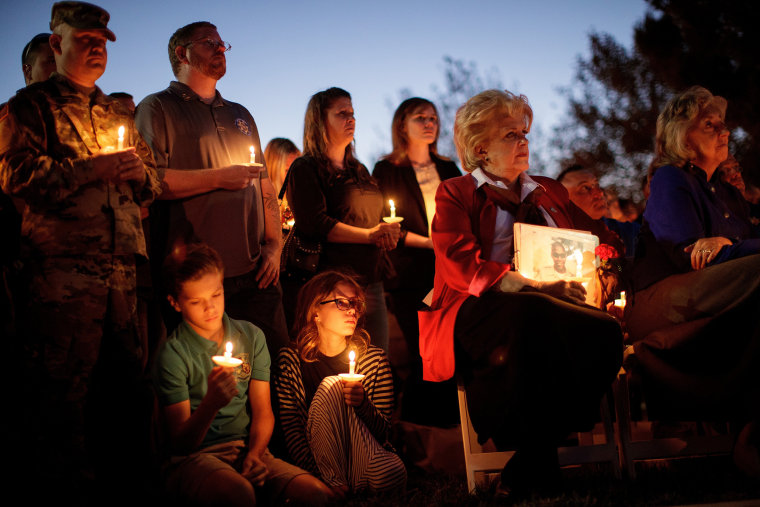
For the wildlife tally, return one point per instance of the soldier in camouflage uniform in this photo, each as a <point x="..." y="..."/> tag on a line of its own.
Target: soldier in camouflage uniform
<point x="59" y="153"/>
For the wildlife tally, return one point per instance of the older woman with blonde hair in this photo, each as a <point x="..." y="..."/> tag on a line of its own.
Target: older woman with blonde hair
<point x="534" y="359"/>
<point x="696" y="273"/>
<point x="337" y="428"/>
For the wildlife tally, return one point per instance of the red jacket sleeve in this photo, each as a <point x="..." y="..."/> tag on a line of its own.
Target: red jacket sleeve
<point x="460" y="247"/>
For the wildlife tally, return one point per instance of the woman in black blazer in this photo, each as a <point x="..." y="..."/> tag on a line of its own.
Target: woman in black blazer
<point x="409" y="176"/>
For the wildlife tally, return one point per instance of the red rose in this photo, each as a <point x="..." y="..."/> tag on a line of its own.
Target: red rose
<point x="606" y="252"/>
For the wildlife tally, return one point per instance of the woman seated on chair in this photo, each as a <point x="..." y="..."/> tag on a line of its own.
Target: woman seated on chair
<point x="535" y="360"/>
<point x="693" y="317"/>
<point x="337" y="428"/>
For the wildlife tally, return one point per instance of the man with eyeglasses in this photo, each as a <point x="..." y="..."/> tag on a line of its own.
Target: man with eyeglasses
<point x="583" y="186"/>
<point x="202" y="144"/>
<point x="80" y="361"/>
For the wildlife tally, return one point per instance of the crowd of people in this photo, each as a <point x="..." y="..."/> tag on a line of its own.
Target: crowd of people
<point x="178" y="307"/>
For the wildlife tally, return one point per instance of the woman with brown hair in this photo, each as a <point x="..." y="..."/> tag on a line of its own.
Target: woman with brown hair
<point x="337" y="428"/>
<point x="410" y="176"/>
<point x="336" y="202"/>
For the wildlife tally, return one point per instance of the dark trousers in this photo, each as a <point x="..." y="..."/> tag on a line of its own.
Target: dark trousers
<point x="84" y="412"/>
<point x="535" y="367"/>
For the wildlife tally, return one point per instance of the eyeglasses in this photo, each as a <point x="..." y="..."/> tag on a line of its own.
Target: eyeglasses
<point x="345" y="304"/>
<point x="211" y="44"/>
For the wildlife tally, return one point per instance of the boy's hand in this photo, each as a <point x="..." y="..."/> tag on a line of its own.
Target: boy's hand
<point x="254" y="469"/>
<point x="222" y="386"/>
<point x="353" y="392"/>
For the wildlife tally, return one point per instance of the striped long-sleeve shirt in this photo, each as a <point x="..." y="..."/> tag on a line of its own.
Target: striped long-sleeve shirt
<point x="375" y="411"/>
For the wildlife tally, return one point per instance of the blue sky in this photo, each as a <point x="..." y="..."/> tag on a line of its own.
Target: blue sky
<point x="284" y="51"/>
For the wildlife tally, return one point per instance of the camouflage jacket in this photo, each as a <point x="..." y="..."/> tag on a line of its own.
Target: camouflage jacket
<point x="48" y="134"/>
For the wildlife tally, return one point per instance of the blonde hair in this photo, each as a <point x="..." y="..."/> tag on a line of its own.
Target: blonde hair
<point x="679" y="115"/>
<point x="310" y="296"/>
<point x="474" y="120"/>
<point x="275" y="156"/>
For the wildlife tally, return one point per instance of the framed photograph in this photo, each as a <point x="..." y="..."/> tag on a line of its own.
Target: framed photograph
<point x="549" y="254"/>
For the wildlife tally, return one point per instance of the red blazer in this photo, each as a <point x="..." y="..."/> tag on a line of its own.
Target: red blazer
<point x="462" y="238"/>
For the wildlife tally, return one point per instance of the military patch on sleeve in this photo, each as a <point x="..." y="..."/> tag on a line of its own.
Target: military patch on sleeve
<point x="243" y="126"/>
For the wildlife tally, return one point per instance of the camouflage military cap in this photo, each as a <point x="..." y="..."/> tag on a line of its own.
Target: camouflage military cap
<point x="81" y="15"/>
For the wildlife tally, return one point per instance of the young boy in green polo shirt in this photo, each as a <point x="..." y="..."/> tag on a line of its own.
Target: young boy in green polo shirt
<point x="219" y="453"/>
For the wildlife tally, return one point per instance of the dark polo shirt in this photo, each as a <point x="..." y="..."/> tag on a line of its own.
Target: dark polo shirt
<point x="186" y="134"/>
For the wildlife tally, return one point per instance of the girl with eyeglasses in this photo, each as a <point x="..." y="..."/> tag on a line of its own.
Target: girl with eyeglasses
<point x="336" y="428"/>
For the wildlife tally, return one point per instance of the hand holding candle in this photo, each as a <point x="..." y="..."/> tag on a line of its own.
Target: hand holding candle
<point x="353" y="389"/>
<point x="227" y="360"/>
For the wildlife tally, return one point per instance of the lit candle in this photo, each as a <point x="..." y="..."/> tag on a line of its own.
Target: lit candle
<point x="393" y="208"/>
<point x="121" y="137"/>
<point x="351" y="376"/>
<point x="227" y="360"/>
<point x="253" y="155"/>
<point x="578" y="256"/>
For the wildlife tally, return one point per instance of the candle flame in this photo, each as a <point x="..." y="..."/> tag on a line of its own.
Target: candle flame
<point x="228" y="347"/>
<point x="121" y="132"/>
<point x="351" y="356"/>
<point x="390" y="202"/>
<point x="253" y="154"/>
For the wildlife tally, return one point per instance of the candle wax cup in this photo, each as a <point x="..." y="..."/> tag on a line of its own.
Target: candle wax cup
<point x="351" y="376"/>
<point x="227" y="362"/>
<point x="392" y="220"/>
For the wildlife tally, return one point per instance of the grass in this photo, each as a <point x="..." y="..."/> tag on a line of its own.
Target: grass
<point x="673" y="482"/>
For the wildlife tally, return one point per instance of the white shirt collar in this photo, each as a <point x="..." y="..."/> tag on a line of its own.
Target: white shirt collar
<point x="527" y="184"/>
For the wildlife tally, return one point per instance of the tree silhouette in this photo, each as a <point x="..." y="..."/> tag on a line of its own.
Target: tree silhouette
<point x="618" y="92"/>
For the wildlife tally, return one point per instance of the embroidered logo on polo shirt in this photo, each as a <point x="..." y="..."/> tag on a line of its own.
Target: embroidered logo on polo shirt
<point x="243" y="371"/>
<point x="243" y="126"/>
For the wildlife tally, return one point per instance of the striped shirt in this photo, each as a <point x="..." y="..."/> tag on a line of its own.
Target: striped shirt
<point x="375" y="411"/>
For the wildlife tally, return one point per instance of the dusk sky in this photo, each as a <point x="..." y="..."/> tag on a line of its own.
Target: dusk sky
<point x="284" y="51"/>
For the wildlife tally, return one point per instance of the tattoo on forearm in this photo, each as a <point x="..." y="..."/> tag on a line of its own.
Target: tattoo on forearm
<point x="272" y="208"/>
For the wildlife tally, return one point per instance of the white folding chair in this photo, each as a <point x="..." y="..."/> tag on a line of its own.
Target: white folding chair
<point x="480" y="459"/>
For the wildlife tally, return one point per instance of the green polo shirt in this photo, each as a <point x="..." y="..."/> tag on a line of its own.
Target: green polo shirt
<point x="184" y="362"/>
